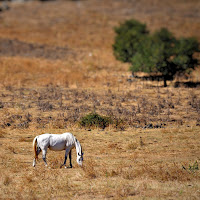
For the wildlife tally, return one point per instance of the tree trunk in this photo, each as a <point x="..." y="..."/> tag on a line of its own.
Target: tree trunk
<point x="165" y="81"/>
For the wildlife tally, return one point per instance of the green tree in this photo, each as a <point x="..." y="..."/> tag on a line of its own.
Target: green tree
<point x="128" y="39"/>
<point x="158" y="52"/>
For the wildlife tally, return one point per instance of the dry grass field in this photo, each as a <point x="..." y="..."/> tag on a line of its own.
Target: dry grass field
<point x="57" y="65"/>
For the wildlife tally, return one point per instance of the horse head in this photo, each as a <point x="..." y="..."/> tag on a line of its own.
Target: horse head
<point x="79" y="153"/>
<point x="80" y="158"/>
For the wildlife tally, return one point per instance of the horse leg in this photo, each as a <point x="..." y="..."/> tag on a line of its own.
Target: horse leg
<point x="44" y="152"/>
<point x="34" y="162"/>
<point x="70" y="159"/>
<point x="66" y="154"/>
<point x="37" y="153"/>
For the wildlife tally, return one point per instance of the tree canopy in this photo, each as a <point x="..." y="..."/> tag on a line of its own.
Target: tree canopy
<point x="157" y="52"/>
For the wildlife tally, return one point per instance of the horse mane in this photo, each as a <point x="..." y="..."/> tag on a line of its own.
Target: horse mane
<point x="78" y="143"/>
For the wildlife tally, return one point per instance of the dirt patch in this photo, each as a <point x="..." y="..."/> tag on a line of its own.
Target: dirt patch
<point x="16" y="47"/>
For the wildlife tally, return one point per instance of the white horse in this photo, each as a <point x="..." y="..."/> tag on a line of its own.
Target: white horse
<point x="57" y="142"/>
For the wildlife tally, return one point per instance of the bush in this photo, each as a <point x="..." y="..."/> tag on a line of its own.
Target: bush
<point x="95" y="120"/>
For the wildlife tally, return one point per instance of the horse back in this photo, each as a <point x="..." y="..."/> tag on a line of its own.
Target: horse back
<point x="55" y="142"/>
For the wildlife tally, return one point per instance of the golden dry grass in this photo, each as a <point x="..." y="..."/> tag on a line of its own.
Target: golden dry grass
<point x="111" y="169"/>
<point x="40" y="94"/>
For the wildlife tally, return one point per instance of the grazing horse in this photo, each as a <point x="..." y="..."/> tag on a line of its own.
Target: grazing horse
<point x="57" y="142"/>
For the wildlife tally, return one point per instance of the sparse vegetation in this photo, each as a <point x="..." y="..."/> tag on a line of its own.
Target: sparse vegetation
<point x="193" y="167"/>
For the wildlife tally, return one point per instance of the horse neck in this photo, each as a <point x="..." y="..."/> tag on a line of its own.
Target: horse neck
<point x="78" y="147"/>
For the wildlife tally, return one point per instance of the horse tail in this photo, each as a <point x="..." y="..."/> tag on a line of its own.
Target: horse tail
<point x="35" y="147"/>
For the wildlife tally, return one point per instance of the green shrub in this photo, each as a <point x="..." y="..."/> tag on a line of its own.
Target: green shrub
<point x="95" y="120"/>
